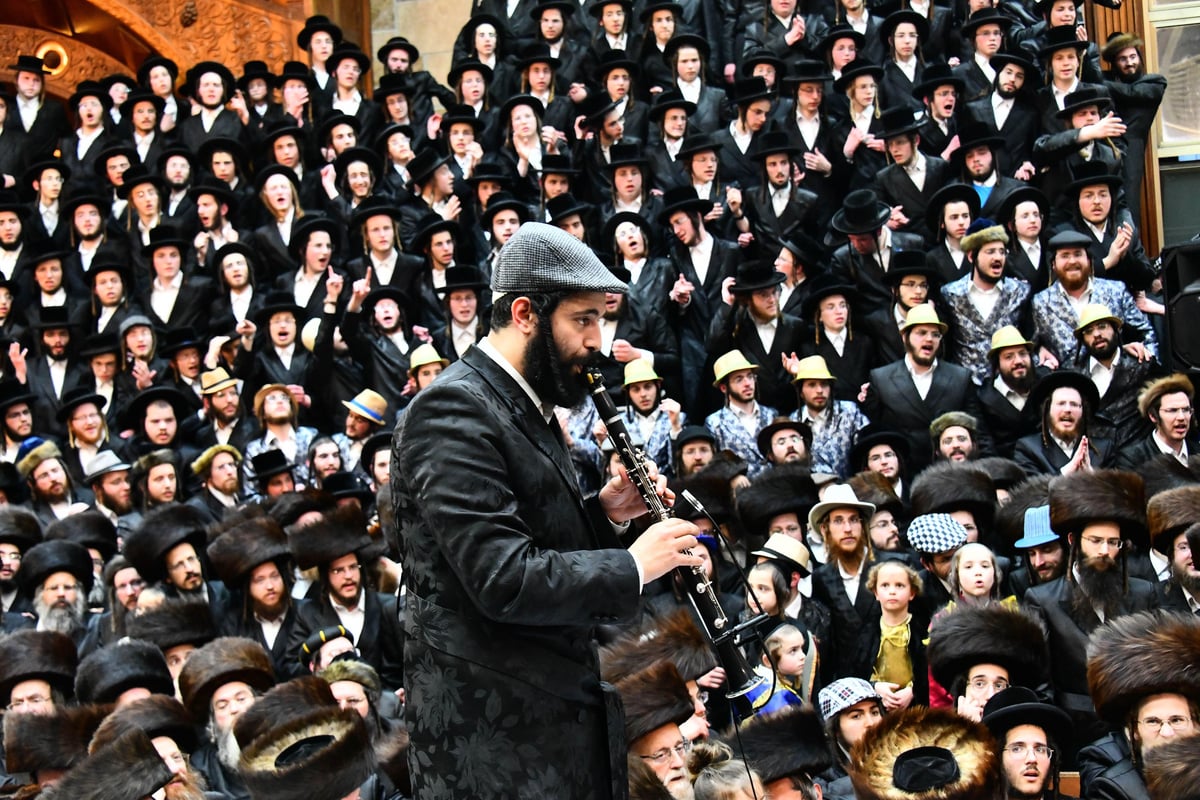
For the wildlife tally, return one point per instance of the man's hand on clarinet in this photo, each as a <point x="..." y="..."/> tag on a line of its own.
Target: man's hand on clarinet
<point x="665" y="546"/>
<point x="622" y="501"/>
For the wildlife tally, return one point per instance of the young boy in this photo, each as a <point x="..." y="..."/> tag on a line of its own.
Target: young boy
<point x="894" y="672"/>
<point x="786" y="656"/>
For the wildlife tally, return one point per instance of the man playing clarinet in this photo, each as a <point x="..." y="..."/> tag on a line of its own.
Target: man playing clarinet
<point x="507" y="568"/>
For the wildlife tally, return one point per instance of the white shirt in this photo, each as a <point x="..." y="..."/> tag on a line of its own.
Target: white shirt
<point x="270" y="628"/>
<point x="916" y="171"/>
<point x="8" y="261"/>
<point x="384" y="269"/>
<point x="984" y="300"/>
<point x="635" y="269"/>
<point x="55" y="299"/>
<point x="285" y="226"/>
<point x="285" y="355"/>
<point x="353" y="620"/>
<point x="956" y="253"/>
<point x="922" y="380"/>
<point x="208" y="116"/>
<point x="817" y="422"/>
<point x="809" y="128"/>
<point x="58" y="372"/>
<point x="1060" y="96"/>
<point x="690" y="89"/>
<point x="747" y="419"/>
<point x="86" y="140"/>
<point x="105" y="390"/>
<point x="1085" y="297"/>
<point x="1034" y="252"/>
<point x="701" y="255"/>
<point x="463" y="338"/>
<point x="742" y="140"/>
<point x="703" y="190"/>
<point x="608" y="332"/>
<point x="850" y="582"/>
<point x="1097" y="232"/>
<point x="779" y="199"/>
<point x="240" y="302"/>
<point x="1010" y="394"/>
<point x="859" y="23"/>
<point x="28" y="110"/>
<point x="106" y="313"/>
<point x="909" y="67"/>
<point x="617" y="42"/>
<point x="304" y="286"/>
<point x="864" y="118"/>
<point x="1101" y="375"/>
<point x="1162" y="567"/>
<point x="766" y="332"/>
<point x="1001" y="108"/>
<point x="836" y="340"/>
<point x="1163" y="447"/>
<point x="350" y="106"/>
<point x="162" y="298"/>
<point x="985" y="66"/>
<point x="489" y="349"/>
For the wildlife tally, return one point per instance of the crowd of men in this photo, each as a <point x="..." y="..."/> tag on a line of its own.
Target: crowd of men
<point x="882" y="265"/>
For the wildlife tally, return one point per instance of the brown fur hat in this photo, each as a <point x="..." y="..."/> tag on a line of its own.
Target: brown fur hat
<point x="1153" y="390"/>
<point x="339" y="533"/>
<point x="1141" y="654"/>
<point x="1117" y="42"/>
<point x="786" y="742"/>
<point x="126" y="664"/>
<point x="129" y="768"/>
<point x="952" y="486"/>
<point x="90" y="529"/>
<point x="290" y="507"/>
<point x="157" y="715"/>
<point x="46" y="558"/>
<point x="172" y="623"/>
<point x="19" y="527"/>
<point x="781" y="489"/>
<point x="952" y="419"/>
<point x="359" y="672"/>
<point x="1169" y="514"/>
<point x="654" y="697"/>
<point x="874" y="488"/>
<point x="987" y="635"/>
<point x="993" y="233"/>
<point x="163" y="528"/>
<point x="712" y="485"/>
<point x="240" y="549"/>
<point x="1172" y="770"/>
<point x="219" y="662"/>
<point x="300" y="747"/>
<point x="1010" y="517"/>
<point x="675" y="638"/>
<point x="57" y="740"/>
<point x="1108" y="495"/>
<point x="45" y="655"/>
<point x="1005" y="472"/>
<point x="899" y="759"/>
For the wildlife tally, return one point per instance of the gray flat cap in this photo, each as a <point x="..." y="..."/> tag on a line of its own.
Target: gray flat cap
<point x="543" y="258"/>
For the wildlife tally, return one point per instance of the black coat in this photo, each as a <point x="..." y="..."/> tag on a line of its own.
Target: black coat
<point x="385" y="367"/>
<point x="1037" y="458"/>
<point x="734" y="329"/>
<point x="521" y="636"/>
<point x="1019" y="132"/>
<point x="1134" y="456"/>
<point x="692" y="323"/>
<point x="851" y="621"/>
<point x="865" y="271"/>
<point x="49" y="126"/>
<point x="896" y="188"/>
<point x="1002" y="419"/>
<point x="191" y="308"/>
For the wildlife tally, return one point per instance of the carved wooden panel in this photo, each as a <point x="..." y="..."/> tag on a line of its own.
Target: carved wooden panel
<point x="84" y="61"/>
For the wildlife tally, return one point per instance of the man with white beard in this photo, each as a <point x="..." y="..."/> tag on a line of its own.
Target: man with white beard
<point x="656" y="703"/>
<point x="219" y="682"/>
<point x="57" y="576"/>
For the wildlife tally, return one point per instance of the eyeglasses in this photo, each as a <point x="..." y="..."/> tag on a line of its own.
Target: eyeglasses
<point x="1176" y="723"/>
<point x="983" y="684"/>
<point x="1099" y="541"/>
<point x="1021" y="750"/>
<point x="130" y="586"/>
<point x="34" y="700"/>
<point x="12" y="556"/>
<point x="338" y="572"/>
<point x="681" y="749"/>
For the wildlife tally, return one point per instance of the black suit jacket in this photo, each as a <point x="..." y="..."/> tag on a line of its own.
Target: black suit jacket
<point x="774" y="383"/>
<point x="1006" y="424"/>
<point x="285" y="661"/>
<point x="896" y="188"/>
<point x="46" y="403"/>
<point x="851" y="628"/>
<point x="893" y="403"/>
<point x="1037" y="458"/>
<point x="191" y="306"/>
<point x="381" y="640"/>
<point x="227" y="125"/>
<point x="866" y="272"/>
<point x="1019" y="131"/>
<point x="48" y="128"/>
<point x="13" y="143"/>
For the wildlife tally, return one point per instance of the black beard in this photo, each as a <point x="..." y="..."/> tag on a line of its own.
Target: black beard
<point x="1106" y="352"/>
<point x="1007" y="95"/>
<point x="550" y="377"/>
<point x="1025" y="384"/>
<point x="7" y="585"/>
<point x="1102" y="587"/>
<point x="1189" y="581"/>
<point x="11" y="247"/>
<point x="178" y="186"/>
<point x="91" y="237"/>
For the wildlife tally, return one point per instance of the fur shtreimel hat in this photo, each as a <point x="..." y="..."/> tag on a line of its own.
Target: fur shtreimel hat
<point x="90" y="529"/>
<point x="981" y="232"/>
<point x="1109" y="495"/>
<point x="1010" y="517"/>
<point x="1169" y="384"/>
<point x="676" y="638"/>
<point x="1137" y="655"/>
<point x="876" y="489"/>
<point x="357" y="671"/>
<point x="779" y="490"/>
<point x="1169" y="514"/>
<point x="162" y="529"/>
<point x="157" y="715"/>
<point x="57" y="740"/>
<point x="19" y="527"/>
<point x="654" y="697"/>
<point x="45" y="655"/>
<point x="1173" y="769"/>
<point x="786" y="742"/>
<point x="50" y="557"/>
<point x="219" y="662"/>
<point x="238" y="551"/>
<point x="988" y="635"/>
<point x="925" y="754"/>
<point x="174" y="623"/>
<point x="128" y="664"/>
<point x="338" y="533"/>
<point x="301" y="746"/>
<point x="1005" y="473"/>
<point x="128" y="768"/>
<point x="955" y="486"/>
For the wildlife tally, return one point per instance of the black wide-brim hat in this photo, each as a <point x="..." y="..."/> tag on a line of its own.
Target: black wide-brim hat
<point x="567" y="7"/>
<point x="504" y="201"/>
<point x="984" y="16"/>
<point x="383" y="293"/>
<point x="806" y="71"/>
<point x="750" y="90"/>
<point x="136" y="410"/>
<point x="627" y="155"/>
<point x="595" y="8"/>
<point x="90" y="89"/>
<point x="616" y="59"/>
<point x="29" y="64"/>
<point x="295" y="71"/>
<point x="222" y="144"/>
<point x="755" y="275"/>
<point x="346" y="51"/>
<point x="686" y="40"/>
<point x="1064" y="379"/>
<point x="826" y="285"/>
<point x="761" y="55"/>
<point x="1061" y="37"/>
<point x="870" y="437"/>
<point x="332" y="121"/>
<point x="936" y="75"/>
<point x="143" y="73"/>
<point x="900" y="120"/>
<point x="75" y="398"/>
<point x="537" y="53"/>
<point x="516" y="100"/>
<point x="252" y="70"/>
<point x="398" y="43"/>
<point x="222" y="71"/>
<point x="888" y="26"/>
<point x="697" y="143"/>
<point x="368" y="157"/>
<point x="1005" y="57"/>
<point x="616" y="220"/>
<point x="101" y="343"/>
<point x="374" y="206"/>
<point x="461" y="278"/>
<point x="469" y="65"/>
<point x="270" y="463"/>
<point x="773" y="143"/>
<point x="430" y="224"/>
<point x="101" y="163"/>
<point x="841" y="31"/>
<point x="861" y="212"/>
<point x="565" y="205"/>
<point x="853" y="70"/>
<point x="951" y="193"/>
<point x="217" y="188"/>
<point x="318" y="23"/>
<point x="177" y="339"/>
<point x="972" y="135"/>
<point x="13" y="392"/>
<point x="664" y="101"/>
<point x="682" y="198"/>
<point x="1093" y="173"/>
<point x="264" y="174"/>
<point x="599" y="109"/>
<point x="137" y="175"/>
<point x="277" y="303"/>
<point x="1018" y="705"/>
<point x="390" y="84"/>
<point x="164" y="236"/>
<point x="1083" y="97"/>
<point x="1022" y="194"/>
<point x="911" y="262"/>
<point x="34" y="173"/>
<point x="660" y="5"/>
<point x="425" y="163"/>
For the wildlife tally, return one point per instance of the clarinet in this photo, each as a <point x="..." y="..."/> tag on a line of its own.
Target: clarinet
<point x="717" y="626"/>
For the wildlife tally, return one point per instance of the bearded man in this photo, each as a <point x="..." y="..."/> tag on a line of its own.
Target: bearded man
<point x="57" y="576"/>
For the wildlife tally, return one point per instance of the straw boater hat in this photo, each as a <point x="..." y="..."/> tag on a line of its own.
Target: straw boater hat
<point x="987" y="635"/>
<point x="108" y="672"/>
<point x="130" y="767"/>
<point x="219" y="662"/>
<point x="654" y="697"/>
<point x="1138" y="655"/>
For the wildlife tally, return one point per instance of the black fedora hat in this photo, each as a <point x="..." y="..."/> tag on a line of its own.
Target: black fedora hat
<point x="861" y="212"/>
<point x="1018" y="705"/>
<point x="145" y="96"/>
<point x="616" y="220"/>
<point x="597" y="6"/>
<point x="266" y="173"/>
<point x="216" y="187"/>
<point x="936" y="75"/>
<point x="664" y="101"/>
<point x="111" y="265"/>
<point x="383" y="293"/>
<point x="381" y="140"/>
<point x="98" y="345"/>
<point x="567" y="7"/>
<point x="807" y="71"/>
<point x="975" y="134"/>
<point x="164" y="236"/>
<point x="488" y="170"/>
<point x="177" y="339"/>
<point x="392" y="84"/>
<point x="950" y="193"/>
<point x="841" y="31"/>
<point x="686" y="40"/>
<point x="100" y="166"/>
<point x="627" y="155"/>
<point x="295" y="71"/>
<point x="461" y="114"/>
<point x="596" y="110"/>
<point x="363" y="154"/>
<point x="13" y="392"/>
<point x="854" y="69"/>
<point x="54" y="317"/>
<point x="90" y="89"/>
<point x="11" y="201"/>
<point x="557" y="164"/>
<point x="279" y="129"/>
<point x="217" y="68"/>
<point x="682" y="198"/>
<point x="222" y="144"/>
<point x="616" y="59"/>
<point x="34" y="172"/>
<point x="136" y="410"/>
<point x="772" y="143"/>
<point x="1006" y="57"/>
<point x="761" y="55"/>
<point x="147" y="66"/>
<point x="246" y="251"/>
<point x="172" y="151"/>
<point x="517" y="100"/>
<point x="255" y="70"/>
<point x="750" y="90"/>
<point x="872" y="436"/>
<point x="1082" y="97"/>
<point x="424" y="164"/>
<point x="462" y="278"/>
<point x="504" y="201"/>
<point x="137" y="175"/>
<point x="278" y="303"/>
<point x="807" y="251"/>
<point x="697" y="143"/>
<point x="306" y="227"/>
<point x="270" y="463"/>
<point x="907" y="263"/>
<point x="1060" y="379"/>
<point x="755" y="275"/>
<point x="918" y="21"/>
<point x="1093" y="173"/>
<point x="537" y="53"/>
<point x="1022" y="194"/>
<point x="899" y="121"/>
<point x="398" y="43"/>
<point x="29" y="64"/>
<point x="375" y="206"/>
<point x="565" y="205"/>
<point x="318" y="23"/>
<point x="985" y="16"/>
<point x="325" y="129"/>
<point x="823" y="286"/>
<point x="348" y="51"/>
<point x="660" y="5"/>
<point x="430" y="224"/>
<point x="1061" y="37"/>
<point x="74" y="398"/>
<point x="469" y="65"/>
